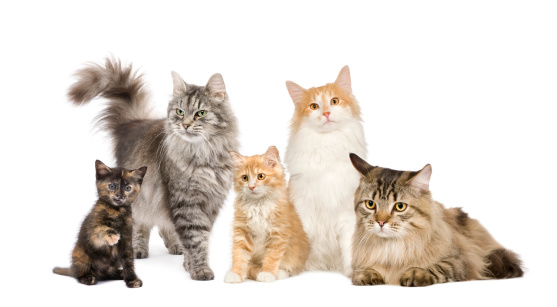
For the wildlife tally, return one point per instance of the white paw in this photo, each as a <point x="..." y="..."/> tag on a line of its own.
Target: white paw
<point x="265" y="277"/>
<point x="232" y="278"/>
<point x="282" y="274"/>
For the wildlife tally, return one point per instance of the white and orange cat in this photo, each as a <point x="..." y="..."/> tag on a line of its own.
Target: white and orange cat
<point x="325" y="128"/>
<point x="269" y="241"/>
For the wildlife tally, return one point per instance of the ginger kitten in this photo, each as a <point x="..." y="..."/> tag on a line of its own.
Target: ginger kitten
<point x="104" y="243"/>
<point x="269" y="241"/>
<point x="406" y="238"/>
<point x="326" y="127"/>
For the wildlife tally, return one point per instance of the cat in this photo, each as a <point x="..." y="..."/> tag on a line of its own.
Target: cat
<point x="404" y="237"/>
<point x="325" y="128"/>
<point x="104" y="242"/>
<point x="187" y="152"/>
<point x="269" y="241"/>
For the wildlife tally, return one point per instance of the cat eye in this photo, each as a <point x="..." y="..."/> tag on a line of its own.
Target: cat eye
<point x="261" y="176"/>
<point x="335" y="101"/>
<point x="201" y="113"/>
<point x="111" y="186"/>
<point x="128" y="188"/>
<point x="370" y="204"/>
<point x="314" y="106"/>
<point x="180" y="112"/>
<point x="245" y="178"/>
<point x="400" y="207"/>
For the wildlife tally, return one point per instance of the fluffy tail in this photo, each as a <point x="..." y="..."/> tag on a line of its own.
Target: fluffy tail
<point x="62" y="271"/>
<point x="504" y="263"/>
<point x="123" y="88"/>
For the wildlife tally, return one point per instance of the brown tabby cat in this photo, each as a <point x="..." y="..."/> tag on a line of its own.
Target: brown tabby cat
<point x="404" y="237"/>
<point x="269" y="241"/>
<point x="104" y="242"/>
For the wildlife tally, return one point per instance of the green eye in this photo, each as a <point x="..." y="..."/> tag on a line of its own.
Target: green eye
<point x="370" y="204"/>
<point x="201" y="113"/>
<point x="180" y="112"/>
<point x="400" y="207"/>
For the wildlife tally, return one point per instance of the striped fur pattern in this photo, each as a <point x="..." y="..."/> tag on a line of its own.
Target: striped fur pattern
<point x="187" y="153"/>
<point x="406" y="238"/>
<point x="104" y="243"/>
<point x="269" y="241"/>
<point x="326" y="127"/>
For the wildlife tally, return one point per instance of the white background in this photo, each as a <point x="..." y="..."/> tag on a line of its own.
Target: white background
<point x="467" y="86"/>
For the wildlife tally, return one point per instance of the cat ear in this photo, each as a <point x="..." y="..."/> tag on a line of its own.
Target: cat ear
<point x="343" y="79"/>
<point x="216" y="87"/>
<point x="271" y="156"/>
<point x="140" y="172"/>
<point x="360" y="165"/>
<point x="421" y="179"/>
<point x="296" y="92"/>
<point x="180" y="86"/>
<point x="102" y="169"/>
<point x="237" y="158"/>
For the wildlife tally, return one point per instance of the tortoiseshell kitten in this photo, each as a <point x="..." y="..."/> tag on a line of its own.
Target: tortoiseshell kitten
<point x="104" y="243"/>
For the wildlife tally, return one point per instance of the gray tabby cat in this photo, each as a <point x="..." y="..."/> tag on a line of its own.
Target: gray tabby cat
<point x="187" y="154"/>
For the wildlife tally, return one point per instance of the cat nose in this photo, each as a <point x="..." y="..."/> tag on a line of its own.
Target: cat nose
<point x="326" y="114"/>
<point x="381" y="223"/>
<point x="251" y="188"/>
<point x="185" y="126"/>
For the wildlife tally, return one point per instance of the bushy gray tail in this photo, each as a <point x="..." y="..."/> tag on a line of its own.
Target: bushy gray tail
<point x="122" y="87"/>
<point x="62" y="271"/>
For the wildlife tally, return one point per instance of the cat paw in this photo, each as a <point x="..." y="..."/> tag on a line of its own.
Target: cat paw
<point x="140" y="253"/>
<point x="265" y="277"/>
<point x="202" y="274"/>
<point x="233" y="278"/>
<point x="88" y="280"/>
<point x="416" y="277"/>
<point x="282" y="274"/>
<point x="112" y="238"/>
<point x="367" y="278"/>
<point x="175" y="249"/>
<point x="137" y="283"/>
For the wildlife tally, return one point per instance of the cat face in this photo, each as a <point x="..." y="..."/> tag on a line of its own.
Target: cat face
<point x="118" y="186"/>
<point x="195" y="112"/>
<point x="258" y="176"/>
<point x="392" y="204"/>
<point x="324" y="108"/>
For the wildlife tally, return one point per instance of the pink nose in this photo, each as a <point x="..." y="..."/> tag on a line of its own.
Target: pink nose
<point x="326" y="114"/>
<point x="251" y="188"/>
<point x="381" y="223"/>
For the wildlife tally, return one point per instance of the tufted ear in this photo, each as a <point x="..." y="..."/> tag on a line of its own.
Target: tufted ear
<point x="421" y="179"/>
<point x="215" y="86"/>
<point x="180" y="86"/>
<point x="296" y="92"/>
<point x="343" y="79"/>
<point x="237" y="158"/>
<point x="102" y="170"/>
<point x="360" y="165"/>
<point x="271" y="156"/>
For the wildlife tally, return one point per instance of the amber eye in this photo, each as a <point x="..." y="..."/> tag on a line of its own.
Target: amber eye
<point x="400" y="207"/>
<point x="335" y="101"/>
<point x="261" y="176"/>
<point x="370" y="204"/>
<point x="245" y="178"/>
<point x="314" y="106"/>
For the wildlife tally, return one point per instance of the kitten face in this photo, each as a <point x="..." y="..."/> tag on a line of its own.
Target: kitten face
<point x="324" y="108"/>
<point x="390" y="203"/>
<point x="258" y="176"/>
<point x="194" y="113"/>
<point x="118" y="186"/>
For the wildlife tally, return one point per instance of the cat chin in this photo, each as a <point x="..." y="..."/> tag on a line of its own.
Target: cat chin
<point x="190" y="137"/>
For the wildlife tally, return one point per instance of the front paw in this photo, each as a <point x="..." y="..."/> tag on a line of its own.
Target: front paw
<point x="233" y="278"/>
<point x="204" y="273"/>
<point x="265" y="277"/>
<point x="137" y="283"/>
<point x="112" y="238"/>
<point x="367" y="278"/>
<point x="416" y="277"/>
<point x="88" y="280"/>
<point x="140" y="253"/>
<point x="176" y="249"/>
